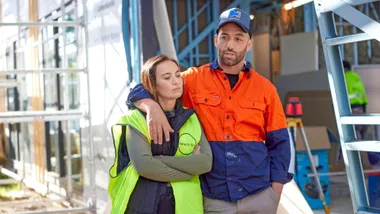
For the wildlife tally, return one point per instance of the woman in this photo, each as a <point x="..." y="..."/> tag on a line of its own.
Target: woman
<point x="149" y="178"/>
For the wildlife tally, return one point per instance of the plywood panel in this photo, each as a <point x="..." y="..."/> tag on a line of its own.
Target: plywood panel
<point x="262" y="54"/>
<point x="370" y="75"/>
<point x="292" y="201"/>
<point x="299" y="53"/>
<point x="276" y="64"/>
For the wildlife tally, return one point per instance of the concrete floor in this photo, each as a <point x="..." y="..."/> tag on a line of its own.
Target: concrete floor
<point x="340" y="196"/>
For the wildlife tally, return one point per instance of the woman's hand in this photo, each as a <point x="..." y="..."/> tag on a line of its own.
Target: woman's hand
<point x="197" y="149"/>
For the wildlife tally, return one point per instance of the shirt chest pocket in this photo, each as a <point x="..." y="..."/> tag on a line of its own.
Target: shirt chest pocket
<point x="207" y="100"/>
<point x="207" y="105"/>
<point x="208" y="108"/>
<point x="250" y="116"/>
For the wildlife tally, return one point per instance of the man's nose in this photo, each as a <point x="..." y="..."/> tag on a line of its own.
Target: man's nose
<point x="230" y="45"/>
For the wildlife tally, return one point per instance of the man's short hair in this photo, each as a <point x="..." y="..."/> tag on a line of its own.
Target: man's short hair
<point x="346" y="65"/>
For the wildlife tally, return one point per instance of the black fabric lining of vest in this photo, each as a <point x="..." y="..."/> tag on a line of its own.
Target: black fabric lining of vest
<point x="123" y="159"/>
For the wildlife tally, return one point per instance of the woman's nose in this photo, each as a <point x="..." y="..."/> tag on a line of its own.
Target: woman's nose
<point x="175" y="80"/>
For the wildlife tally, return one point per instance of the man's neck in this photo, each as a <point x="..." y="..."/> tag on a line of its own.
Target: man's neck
<point x="232" y="69"/>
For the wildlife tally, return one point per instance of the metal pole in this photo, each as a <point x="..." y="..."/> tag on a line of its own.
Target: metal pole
<point x="340" y="173"/>
<point x="341" y="32"/>
<point x="76" y="201"/>
<point x="89" y="116"/>
<point x="189" y="30"/>
<point x="66" y="107"/>
<point x="314" y="170"/>
<point x="15" y="203"/>
<point x="21" y="92"/>
<point x="8" y="83"/>
<point x="39" y="42"/>
<point x="43" y="71"/>
<point x="30" y="116"/>
<point x="55" y="24"/>
<point x="162" y="24"/>
<point x="375" y="14"/>
<point x="136" y="35"/>
<point x="67" y="210"/>
<point x="245" y="5"/>
<point x="369" y="48"/>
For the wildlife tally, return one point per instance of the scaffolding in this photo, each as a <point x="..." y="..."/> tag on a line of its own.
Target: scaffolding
<point x="61" y="115"/>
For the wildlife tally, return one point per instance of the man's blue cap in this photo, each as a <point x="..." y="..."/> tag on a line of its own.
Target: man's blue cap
<point x="237" y="16"/>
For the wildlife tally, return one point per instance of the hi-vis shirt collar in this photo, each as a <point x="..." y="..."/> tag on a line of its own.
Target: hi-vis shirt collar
<point x="215" y="65"/>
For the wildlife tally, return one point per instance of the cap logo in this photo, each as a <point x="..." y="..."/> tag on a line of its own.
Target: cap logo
<point x="234" y="14"/>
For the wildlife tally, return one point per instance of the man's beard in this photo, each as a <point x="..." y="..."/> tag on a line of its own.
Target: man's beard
<point x="232" y="62"/>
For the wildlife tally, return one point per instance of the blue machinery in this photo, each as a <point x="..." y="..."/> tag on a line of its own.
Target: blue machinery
<point x="320" y="14"/>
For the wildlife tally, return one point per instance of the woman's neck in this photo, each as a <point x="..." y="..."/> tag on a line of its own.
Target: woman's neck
<point x="167" y="105"/>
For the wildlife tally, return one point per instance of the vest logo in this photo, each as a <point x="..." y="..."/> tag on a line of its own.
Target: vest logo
<point x="187" y="144"/>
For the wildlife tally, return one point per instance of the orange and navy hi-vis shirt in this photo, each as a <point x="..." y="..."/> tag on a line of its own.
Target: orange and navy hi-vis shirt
<point x="246" y="128"/>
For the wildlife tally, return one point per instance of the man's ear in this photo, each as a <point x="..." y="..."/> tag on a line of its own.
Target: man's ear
<point x="215" y="40"/>
<point x="249" y="45"/>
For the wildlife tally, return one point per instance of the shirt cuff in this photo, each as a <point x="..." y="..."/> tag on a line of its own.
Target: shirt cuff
<point x="279" y="176"/>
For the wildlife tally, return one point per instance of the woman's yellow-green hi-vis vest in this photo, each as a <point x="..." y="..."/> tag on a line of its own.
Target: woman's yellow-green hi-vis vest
<point x="187" y="194"/>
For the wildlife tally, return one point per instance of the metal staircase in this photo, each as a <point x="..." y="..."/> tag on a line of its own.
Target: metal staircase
<point x="191" y="55"/>
<point x="197" y="32"/>
<point x="351" y="147"/>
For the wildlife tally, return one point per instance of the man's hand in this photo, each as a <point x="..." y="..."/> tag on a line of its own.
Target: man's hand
<point x="277" y="188"/>
<point x="157" y="121"/>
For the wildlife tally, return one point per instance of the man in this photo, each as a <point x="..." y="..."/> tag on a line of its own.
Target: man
<point x="243" y="119"/>
<point x="355" y="88"/>
<point x="356" y="95"/>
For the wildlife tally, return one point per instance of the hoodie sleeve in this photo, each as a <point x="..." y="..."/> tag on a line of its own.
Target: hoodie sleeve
<point x="137" y="93"/>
